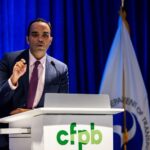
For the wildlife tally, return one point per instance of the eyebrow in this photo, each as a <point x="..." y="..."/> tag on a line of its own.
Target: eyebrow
<point x="46" y="32"/>
<point x="34" y="32"/>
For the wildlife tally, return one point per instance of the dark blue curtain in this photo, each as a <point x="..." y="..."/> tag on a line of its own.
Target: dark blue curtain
<point x="83" y="32"/>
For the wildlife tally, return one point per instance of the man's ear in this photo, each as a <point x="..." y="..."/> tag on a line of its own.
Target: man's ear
<point x="27" y="39"/>
<point x="51" y="39"/>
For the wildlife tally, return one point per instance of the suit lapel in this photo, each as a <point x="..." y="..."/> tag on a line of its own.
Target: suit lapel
<point x="25" y="78"/>
<point x="23" y="81"/>
<point x="48" y="72"/>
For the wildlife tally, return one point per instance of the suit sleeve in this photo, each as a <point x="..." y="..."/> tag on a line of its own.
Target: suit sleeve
<point x="5" y="71"/>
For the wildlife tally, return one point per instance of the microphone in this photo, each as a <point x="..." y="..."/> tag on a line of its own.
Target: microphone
<point x="53" y="64"/>
<point x="57" y="72"/>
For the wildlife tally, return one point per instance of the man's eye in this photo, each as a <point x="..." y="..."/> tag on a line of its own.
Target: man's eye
<point x="34" y="34"/>
<point x="45" y="35"/>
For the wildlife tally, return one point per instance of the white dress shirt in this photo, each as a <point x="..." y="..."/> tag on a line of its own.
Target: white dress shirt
<point x="41" y="76"/>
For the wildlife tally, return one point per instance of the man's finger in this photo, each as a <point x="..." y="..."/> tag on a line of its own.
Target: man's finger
<point x="18" y="110"/>
<point x="23" y="60"/>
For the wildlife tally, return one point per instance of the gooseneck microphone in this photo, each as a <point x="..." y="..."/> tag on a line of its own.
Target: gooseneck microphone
<point x="53" y="64"/>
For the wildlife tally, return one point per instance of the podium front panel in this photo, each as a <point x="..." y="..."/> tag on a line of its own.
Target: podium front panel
<point x="63" y="132"/>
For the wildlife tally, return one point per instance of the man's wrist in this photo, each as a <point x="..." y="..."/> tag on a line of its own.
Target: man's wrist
<point x="12" y="85"/>
<point x="14" y="80"/>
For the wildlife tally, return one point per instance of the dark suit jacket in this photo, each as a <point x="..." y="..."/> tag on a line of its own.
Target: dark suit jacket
<point x="56" y="81"/>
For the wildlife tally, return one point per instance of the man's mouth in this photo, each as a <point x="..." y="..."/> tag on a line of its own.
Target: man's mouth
<point x="40" y="45"/>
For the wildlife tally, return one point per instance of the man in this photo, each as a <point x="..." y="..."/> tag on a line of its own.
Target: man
<point x="16" y="73"/>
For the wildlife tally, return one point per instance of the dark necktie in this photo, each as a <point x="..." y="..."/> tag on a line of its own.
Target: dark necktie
<point x="33" y="85"/>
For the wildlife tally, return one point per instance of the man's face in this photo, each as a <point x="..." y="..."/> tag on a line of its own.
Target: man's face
<point x="39" y="39"/>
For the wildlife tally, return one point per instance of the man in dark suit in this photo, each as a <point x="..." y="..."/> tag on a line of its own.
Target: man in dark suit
<point x="16" y="70"/>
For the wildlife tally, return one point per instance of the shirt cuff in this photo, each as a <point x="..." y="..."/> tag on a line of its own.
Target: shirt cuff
<point x="13" y="87"/>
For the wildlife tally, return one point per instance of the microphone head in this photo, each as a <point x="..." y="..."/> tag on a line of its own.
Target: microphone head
<point x="52" y="62"/>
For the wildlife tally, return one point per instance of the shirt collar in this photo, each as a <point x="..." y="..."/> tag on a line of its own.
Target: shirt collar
<point x="32" y="59"/>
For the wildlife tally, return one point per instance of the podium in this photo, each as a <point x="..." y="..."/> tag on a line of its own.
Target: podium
<point x="66" y="122"/>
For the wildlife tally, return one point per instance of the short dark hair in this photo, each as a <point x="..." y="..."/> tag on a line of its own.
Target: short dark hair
<point x="37" y="20"/>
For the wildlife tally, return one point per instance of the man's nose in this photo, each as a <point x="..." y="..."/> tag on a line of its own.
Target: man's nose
<point x="40" y="38"/>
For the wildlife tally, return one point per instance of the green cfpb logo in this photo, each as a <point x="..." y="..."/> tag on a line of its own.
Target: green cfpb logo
<point x="80" y="137"/>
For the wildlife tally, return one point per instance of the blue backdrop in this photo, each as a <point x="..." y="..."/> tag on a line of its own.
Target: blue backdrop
<point x="83" y="32"/>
